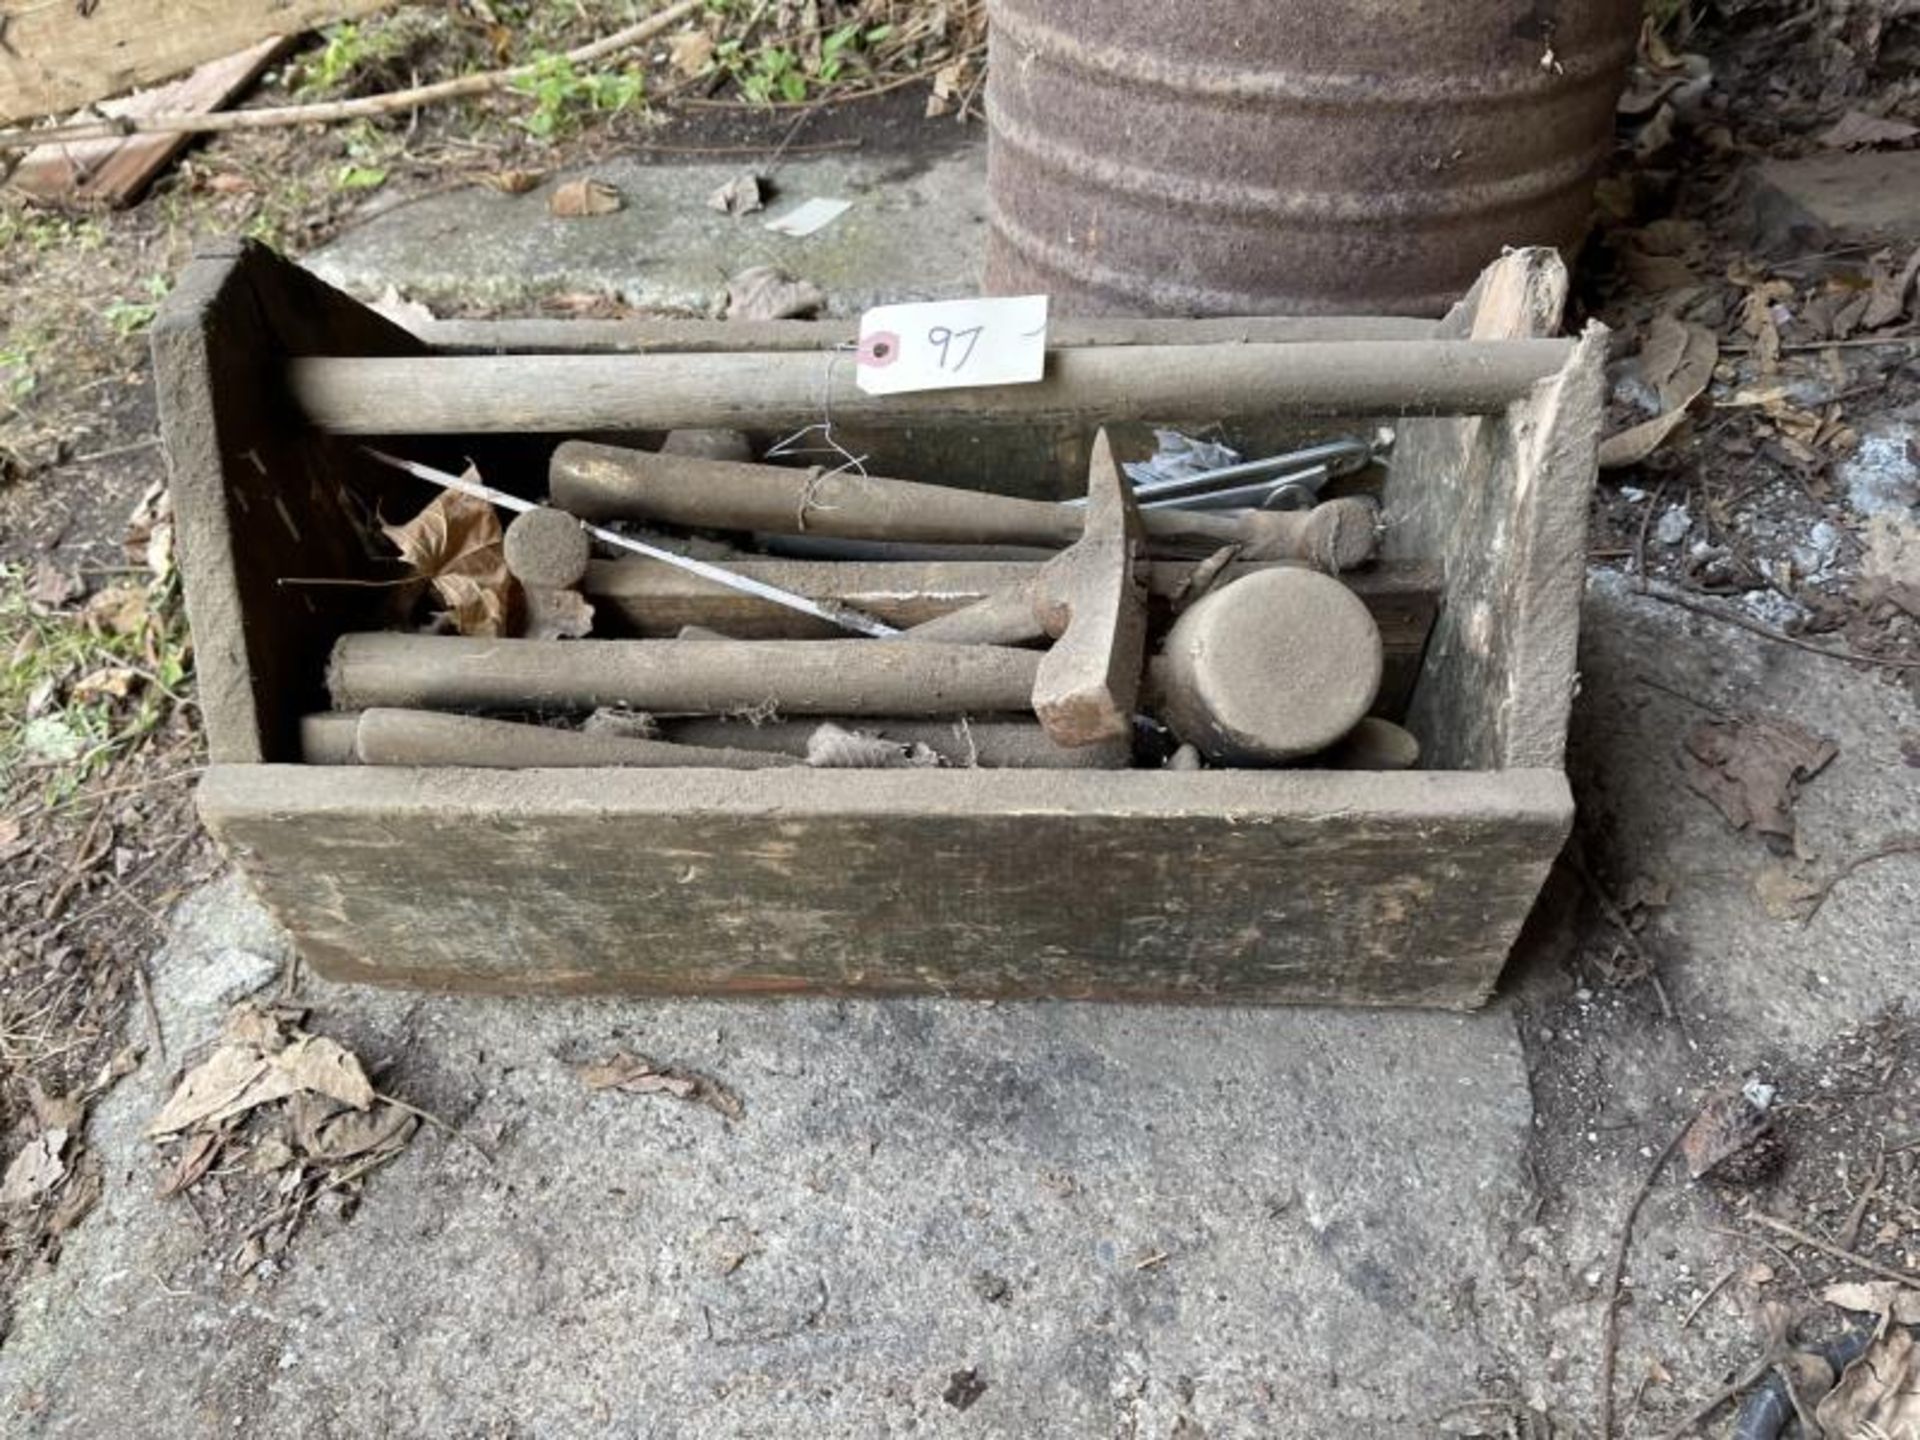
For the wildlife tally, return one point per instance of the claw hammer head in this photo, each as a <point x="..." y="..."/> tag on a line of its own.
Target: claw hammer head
<point x="1093" y="597"/>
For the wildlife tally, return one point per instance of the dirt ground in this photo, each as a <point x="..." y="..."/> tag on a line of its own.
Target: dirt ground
<point x="1774" y="504"/>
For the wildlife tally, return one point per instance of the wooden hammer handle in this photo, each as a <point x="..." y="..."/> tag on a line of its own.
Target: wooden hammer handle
<point x="696" y="677"/>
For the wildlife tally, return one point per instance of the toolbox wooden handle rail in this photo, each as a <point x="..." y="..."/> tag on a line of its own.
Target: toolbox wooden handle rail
<point x="497" y="394"/>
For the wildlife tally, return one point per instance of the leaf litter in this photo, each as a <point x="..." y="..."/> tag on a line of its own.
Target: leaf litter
<point x="288" y="1114"/>
<point x="637" y="1075"/>
<point x="1751" y="770"/>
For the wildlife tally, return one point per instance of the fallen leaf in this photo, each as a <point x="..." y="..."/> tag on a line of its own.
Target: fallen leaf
<point x="555" y="614"/>
<point x="1887" y="301"/>
<point x="579" y="198"/>
<point x="1888" y="1299"/>
<point x="690" y="52"/>
<point x="229" y="1082"/>
<point x="948" y="82"/>
<point x="272" y="1153"/>
<point x="1727" y="1125"/>
<point x="1751" y="770"/>
<point x="513" y="182"/>
<point x="739" y="196"/>
<point x="9" y="835"/>
<point x="51" y="587"/>
<point x="325" y="1067"/>
<point x="35" y="1170"/>
<point x="56" y="1112"/>
<point x="766" y="292"/>
<point x="120" y="610"/>
<point x="456" y="545"/>
<point x="1857" y="128"/>
<point x="637" y="1075"/>
<point x="1878" y="1395"/>
<point x="80" y="1194"/>
<point x="193" y="1162"/>
<point x="326" y="1133"/>
<point x="1677" y="360"/>
<point x="115" y="682"/>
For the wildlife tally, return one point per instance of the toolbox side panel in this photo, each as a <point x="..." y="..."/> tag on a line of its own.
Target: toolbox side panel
<point x="1291" y="886"/>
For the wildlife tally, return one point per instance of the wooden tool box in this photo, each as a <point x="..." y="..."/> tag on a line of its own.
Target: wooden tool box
<point x="1226" y="885"/>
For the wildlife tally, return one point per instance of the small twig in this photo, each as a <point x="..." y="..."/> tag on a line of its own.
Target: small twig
<point x="153" y="1011"/>
<point x="433" y="1119"/>
<point x="1802" y="346"/>
<point x="1850" y="1231"/>
<point x="328" y="112"/>
<point x="1667" y="595"/>
<point x="1700" y="1304"/>
<point x="1900" y="845"/>
<point x="1836" y="1252"/>
<point x="114" y="453"/>
<point x="1610" y="1317"/>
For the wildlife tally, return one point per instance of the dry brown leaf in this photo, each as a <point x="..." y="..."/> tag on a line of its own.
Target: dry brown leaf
<point x="1888" y="1299"/>
<point x="230" y="1081"/>
<point x="1727" y="1125"/>
<point x="120" y="610"/>
<point x="1857" y="128"/>
<point x="325" y="1132"/>
<point x="1751" y="770"/>
<point x="766" y="292"/>
<point x="325" y="1067"/>
<point x="1878" y="1396"/>
<point x="555" y="614"/>
<point x="51" y="587"/>
<point x="115" y="682"/>
<point x="580" y="198"/>
<point x="513" y="182"/>
<point x="1677" y="360"/>
<point x="949" y="81"/>
<point x="1886" y="302"/>
<point x="637" y="1075"/>
<point x="36" y="1169"/>
<point x="455" y="544"/>
<point x="80" y="1194"/>
<point x="690" y="52"/>
<point x="194" y="1162"/>
<point x="56" y="1112"/>
<point x="739" y="196"/>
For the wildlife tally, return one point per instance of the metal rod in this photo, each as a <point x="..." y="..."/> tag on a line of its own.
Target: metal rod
<point x="846" y="619"/>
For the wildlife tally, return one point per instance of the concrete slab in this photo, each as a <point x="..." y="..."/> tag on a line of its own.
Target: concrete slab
<point x="916" y="231"/>
<point x="1836" y="197"/>
<point x="1650" y="672"/>
<point x="924" y="1187"/>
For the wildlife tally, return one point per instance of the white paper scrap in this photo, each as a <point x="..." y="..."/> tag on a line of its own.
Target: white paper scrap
<point x="809" y="216"/>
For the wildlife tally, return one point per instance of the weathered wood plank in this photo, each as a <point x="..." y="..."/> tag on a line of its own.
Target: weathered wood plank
<point x="1501" y="501"/>
<point x="1247" y="887"/>
<point x="258" y="501"/>
<point x="115" y="172"/>
<point x="60" y="55"/>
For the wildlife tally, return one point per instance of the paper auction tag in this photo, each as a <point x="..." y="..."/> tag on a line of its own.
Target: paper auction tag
<point x="946" y="344"/>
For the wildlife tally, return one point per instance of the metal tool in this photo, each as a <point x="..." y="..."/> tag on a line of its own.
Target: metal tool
<point x="1288" y="481"/>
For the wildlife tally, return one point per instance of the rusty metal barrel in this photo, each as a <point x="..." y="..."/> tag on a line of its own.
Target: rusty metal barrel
<point x="1236" y="157"/>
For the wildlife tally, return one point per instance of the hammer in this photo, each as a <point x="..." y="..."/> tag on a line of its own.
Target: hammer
<point x="606" y="482"/>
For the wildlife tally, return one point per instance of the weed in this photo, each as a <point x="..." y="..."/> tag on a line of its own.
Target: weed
<point x="560" y="93"/>
<point x="345" y="51"/>
<point x="131" y="317"/>
<point x="79" y="688"/>
<point x="18" y="379"/>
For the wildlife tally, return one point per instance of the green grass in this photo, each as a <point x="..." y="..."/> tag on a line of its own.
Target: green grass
<point x="79" y="688"/>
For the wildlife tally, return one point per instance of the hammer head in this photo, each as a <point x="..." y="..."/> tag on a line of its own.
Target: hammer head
<point x="1093" y="597"/>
